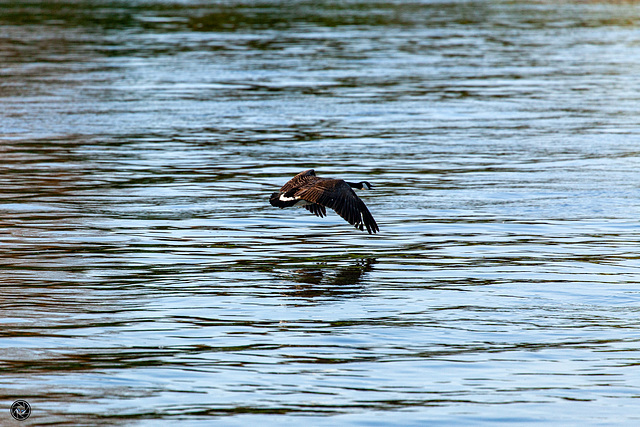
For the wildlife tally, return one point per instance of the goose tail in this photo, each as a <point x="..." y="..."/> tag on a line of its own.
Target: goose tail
<point x="276" y="201"/>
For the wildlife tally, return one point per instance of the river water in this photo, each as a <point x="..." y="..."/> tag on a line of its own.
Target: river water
<point x="146" y="280"/>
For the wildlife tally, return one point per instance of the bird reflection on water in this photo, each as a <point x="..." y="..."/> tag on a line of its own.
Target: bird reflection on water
<point x="325" y="280"/>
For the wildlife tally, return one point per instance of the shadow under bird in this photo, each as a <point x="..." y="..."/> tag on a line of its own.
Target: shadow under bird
<point x="316" y="194"/>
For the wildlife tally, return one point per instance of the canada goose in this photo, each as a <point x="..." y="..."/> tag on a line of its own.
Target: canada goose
<point x="316" y="194"/>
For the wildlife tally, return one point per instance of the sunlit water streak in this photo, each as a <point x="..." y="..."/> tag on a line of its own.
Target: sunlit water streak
<point x="146" y="279"/>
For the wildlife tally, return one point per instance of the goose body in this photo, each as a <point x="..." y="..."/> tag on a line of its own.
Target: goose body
<point x="316" y="194"/>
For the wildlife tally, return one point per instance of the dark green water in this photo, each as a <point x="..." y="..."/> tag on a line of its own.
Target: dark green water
<point x="146" y="280"/>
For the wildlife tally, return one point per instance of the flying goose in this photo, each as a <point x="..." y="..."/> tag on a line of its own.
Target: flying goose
<point x="316" y="194"/>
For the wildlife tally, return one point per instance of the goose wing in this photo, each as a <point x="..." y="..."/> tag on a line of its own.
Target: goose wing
<point x="316" y="209"/>
<point x="300" y="180"/>
<point x="338" y="195"/>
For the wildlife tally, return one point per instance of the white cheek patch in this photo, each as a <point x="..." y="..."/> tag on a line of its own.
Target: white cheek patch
<point x="286" y="199"/>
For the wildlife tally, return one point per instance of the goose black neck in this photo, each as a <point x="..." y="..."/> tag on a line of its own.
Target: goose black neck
<point x="354" y="184"/>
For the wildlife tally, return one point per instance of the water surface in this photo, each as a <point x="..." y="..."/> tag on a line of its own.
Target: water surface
<point x="146" y="279"/>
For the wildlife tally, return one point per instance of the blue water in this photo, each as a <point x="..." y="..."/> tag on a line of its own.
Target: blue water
<point x="146" y="280"/>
